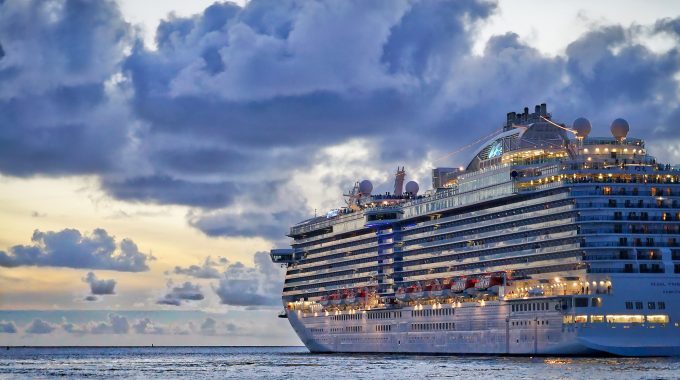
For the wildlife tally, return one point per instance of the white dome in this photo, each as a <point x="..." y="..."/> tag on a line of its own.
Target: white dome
<point x="412" y="187"/>
<point x="365" y="187"/>
<point x="582" y="127"/>
<point x="620" y="129"/>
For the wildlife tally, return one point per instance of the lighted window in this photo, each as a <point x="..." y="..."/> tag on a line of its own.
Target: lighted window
<point x="625" y="318"/>
<point x="657" y="318"/>
<point x="568" y="319"/>
<point x="597" y="318"/>
<point x="580" y="318"/>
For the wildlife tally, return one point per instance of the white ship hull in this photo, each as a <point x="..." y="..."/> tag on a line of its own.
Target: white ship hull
<point x="493" y="328"/>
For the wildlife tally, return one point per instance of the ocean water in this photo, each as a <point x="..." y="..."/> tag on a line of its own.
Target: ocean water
<point x="297" y="363"/>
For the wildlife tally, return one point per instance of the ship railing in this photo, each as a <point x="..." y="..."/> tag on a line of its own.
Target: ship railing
<point x="331" y="251"/>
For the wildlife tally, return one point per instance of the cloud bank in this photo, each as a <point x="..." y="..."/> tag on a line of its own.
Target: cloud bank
<point x="256" y="286"/>
<point x="236" y="104"/>
<point x="71" y="249"/>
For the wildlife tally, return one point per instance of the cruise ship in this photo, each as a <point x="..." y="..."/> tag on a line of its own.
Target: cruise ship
<point x="549" y="242"/>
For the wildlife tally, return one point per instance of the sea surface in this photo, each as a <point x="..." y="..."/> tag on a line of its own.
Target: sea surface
<point x="297" y="363"/>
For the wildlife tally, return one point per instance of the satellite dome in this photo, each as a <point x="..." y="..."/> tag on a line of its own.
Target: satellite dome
<point x="620" y="129"/>
<point x="365" y="187"/>
<point x="582" y="127"/>
<point x="412" y="187"/>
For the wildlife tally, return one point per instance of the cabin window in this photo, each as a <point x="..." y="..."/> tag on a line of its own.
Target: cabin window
<point x="629" y="305"/>
<point x="581" y="302"/>
<point x="638" y="305"/>
<point x="662" y="305"/>
<point x="651" y="305"/>
<point x="657" y="318"/>
<point x="597" y="318"/>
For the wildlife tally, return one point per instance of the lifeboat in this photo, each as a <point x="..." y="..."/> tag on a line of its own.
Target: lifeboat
<point x="401" y="294"/>
<point x="459" y="285"/>
<point x="414" y="292"/>
<point x="446" y="288"/>
<point x="470" y="286"/>
<point x="324" y="301"/>
<point x="362" y="296"/>
<point x="489" y="284"/>
<point x="348" y="298"/>
<point x="432" y="290"/>
<point x="495" y="283"/>
<point x="334" y="299"/>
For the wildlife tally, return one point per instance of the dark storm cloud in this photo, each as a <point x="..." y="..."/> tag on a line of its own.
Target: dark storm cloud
<point x="295" y="74"/>
<point x="271" y="225"/>
<point x="55" y="112"/>
<point x="167" y="190"/>
<point x="71" y="249"/>
<point x="248" y="286"/>
<point x="99" y="286"/>
<point x="179" y="294"/>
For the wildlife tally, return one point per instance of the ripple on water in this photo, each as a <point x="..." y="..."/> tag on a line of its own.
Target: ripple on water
<point x="295" y="362"/>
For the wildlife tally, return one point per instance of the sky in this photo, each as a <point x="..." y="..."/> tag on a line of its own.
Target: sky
<point x="151" y="153"/>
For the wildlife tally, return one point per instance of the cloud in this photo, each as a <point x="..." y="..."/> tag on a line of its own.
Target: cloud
<point x="209" y="269"/>
<point x="38" y="326"/>
<point x="146" y="326"/>
<point x="69" y="248"/>
<point x="7" y="327"/>
<point x="275" y="86"/>
<point x="236" y="103"/>
<point x="61" y="58"/>
<point x="248" y="286"/>
<point x="179" y="294"/>
<point x="208" y="327"/>
<point x="115" y="324"/>
<point x="211" y="327"/>
<point x="91" y="298"/>
<point x="99" y="287"/>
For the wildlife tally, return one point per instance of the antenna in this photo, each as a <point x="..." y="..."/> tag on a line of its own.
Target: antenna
<point x="399" y="181"/>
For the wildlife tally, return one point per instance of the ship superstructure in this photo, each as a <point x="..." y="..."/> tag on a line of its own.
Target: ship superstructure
<point x="548" y="242"/>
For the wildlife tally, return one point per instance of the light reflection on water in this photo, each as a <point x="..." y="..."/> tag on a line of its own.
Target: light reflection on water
<point x="295" y="362"/>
